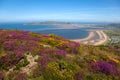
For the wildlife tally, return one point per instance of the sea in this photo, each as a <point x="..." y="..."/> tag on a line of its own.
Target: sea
<point x="69" y="33"/>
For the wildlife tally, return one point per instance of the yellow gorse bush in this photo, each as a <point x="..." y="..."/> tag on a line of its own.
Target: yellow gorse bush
<point x="113" y="59"/>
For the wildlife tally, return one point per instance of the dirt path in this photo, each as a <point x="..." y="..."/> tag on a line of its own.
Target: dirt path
<point x="27" y="69"/>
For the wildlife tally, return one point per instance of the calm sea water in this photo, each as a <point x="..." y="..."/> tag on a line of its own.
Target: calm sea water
<point x="71" y="33"/>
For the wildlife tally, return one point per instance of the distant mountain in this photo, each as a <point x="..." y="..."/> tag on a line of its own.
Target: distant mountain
<point x="115" y="24"/>
<point x="46" y="22"/>
<point x="111" y="26"/>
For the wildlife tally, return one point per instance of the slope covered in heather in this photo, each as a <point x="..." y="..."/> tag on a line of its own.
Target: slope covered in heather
<point x="32" y="56"/>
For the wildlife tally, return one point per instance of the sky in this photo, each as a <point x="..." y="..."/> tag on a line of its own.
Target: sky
<point x="60" y="10"/>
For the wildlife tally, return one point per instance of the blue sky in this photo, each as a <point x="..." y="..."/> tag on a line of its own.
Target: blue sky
<point x="60" y="10"/>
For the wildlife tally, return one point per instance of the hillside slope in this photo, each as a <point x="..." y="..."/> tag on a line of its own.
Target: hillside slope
<point x="32" y="56"/>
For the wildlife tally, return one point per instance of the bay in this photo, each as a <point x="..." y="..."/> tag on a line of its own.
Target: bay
<point x="69" y="33"/>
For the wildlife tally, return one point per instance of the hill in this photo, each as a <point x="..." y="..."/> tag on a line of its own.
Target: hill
<point x="26" y="55"/>
<point x="47" y="22"/>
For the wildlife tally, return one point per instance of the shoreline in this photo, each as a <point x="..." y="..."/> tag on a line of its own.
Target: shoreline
<point x="97" y="37"/>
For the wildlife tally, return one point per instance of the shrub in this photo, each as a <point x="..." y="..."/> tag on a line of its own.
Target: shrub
<point x="58" y="53"/>
<point x="23" y="63"/>
<point x="1" y="76"/>
<point x="97" y="77"/>
<point x="106" y="68"/>
<point x="79" y="76"/>
<point x="21" y="76"/>
<point x="61" y="70"/>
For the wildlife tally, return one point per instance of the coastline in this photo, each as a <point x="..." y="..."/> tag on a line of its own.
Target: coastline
<point x="97" y="37"/>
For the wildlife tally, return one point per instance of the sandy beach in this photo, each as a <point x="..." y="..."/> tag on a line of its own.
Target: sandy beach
<point x="97" y="37"/>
